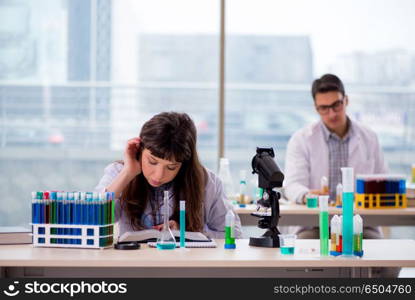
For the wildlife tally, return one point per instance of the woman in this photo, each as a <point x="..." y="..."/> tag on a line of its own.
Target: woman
<point x="164" y="157"/>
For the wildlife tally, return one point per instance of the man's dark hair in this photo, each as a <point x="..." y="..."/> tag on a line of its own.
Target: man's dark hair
<point x="327" y="83"/>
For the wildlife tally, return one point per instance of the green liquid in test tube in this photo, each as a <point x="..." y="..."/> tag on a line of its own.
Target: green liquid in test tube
<point x="113" y="208"/>
<point x="230" y="230"/>
<point x="358" y="236"/>
<point x="324" y="225"/>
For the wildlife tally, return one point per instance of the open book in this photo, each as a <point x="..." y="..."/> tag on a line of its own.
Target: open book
<point x="151" y="235"/>
<point x="211" y="244"/>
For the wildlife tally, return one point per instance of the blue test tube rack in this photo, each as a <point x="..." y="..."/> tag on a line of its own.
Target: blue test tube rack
<point x="70" y="225"/>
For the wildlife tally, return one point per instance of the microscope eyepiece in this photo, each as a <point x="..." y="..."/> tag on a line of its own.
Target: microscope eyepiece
<point x="269" y="174"/>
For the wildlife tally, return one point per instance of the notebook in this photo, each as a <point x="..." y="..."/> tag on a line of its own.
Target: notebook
<point x="151" y="235"/>
<point x="15" y="235"/>
<point x="211" y="244"/>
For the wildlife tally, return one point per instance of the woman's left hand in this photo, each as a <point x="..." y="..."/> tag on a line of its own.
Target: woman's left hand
<point x="172" y="224"/>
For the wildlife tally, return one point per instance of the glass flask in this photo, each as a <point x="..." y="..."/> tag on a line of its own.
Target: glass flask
<point x="166" y="240"/>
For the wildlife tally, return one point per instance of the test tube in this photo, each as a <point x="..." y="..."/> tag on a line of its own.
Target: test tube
<point x="58" y="213"/>
<point x="102" y="200"/>
<point x="324" y="225"/>
<point x="69" y="203"/>
<point x="339" y="194"/>
<point x="69" y="217"/>
<point x="84" y="210"/>
<point x="78" y="215"/>
<point x="95" y="207"/>
<point x="90" y="211"/>
<point x="75" y="196"/>
<point x="324" y="185"/>
<point x="41" y="211"/>
<point x="46" y="203"/>
<point x="56" y="209"/>
<point x="358" y="236"/>
<point x="76" y="208"/>
<point x="242" y="187"/>
<point x="112" y="208"/>
<point x="230" y="230"/>
<point x="62" y="200"/>
<point x="61" y="214"/>
<point x="182" y="224"/>
<point x="348" y="202"/>
<point x="51" y="210"/>
<point x="34" y="208"/>
<point x="107" y="208"/>
<point x="65" y="215"/>
<point x="335" y="236"/>
<point x="53" y="206"/>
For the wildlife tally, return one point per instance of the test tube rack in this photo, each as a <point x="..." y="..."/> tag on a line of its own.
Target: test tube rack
<point x="381" y="201"/>
<point x="73" y="236"/>
<point x="380" y="191"/>
<point x="73" y="219"/>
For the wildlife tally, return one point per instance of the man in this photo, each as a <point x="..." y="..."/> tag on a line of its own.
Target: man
<point x="322" y="148"/>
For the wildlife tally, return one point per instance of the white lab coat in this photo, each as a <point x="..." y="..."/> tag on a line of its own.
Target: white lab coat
<point x="307" y="158"/>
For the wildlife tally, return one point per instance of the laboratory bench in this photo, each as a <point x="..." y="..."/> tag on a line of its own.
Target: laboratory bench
<point x="295" y="214"/>
<point x="244" y="261"/>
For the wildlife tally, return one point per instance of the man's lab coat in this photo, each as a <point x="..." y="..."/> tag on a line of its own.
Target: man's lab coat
<point x="307" y="158"/>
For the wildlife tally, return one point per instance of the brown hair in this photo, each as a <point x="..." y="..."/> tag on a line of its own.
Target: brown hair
<point x="327" y="83"/>
<point x="170" y="136"/>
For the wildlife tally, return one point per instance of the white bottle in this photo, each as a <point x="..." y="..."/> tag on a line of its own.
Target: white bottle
<point x="226" y="178"/>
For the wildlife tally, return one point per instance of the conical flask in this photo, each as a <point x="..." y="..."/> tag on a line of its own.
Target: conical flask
<point x="166" y="240"/>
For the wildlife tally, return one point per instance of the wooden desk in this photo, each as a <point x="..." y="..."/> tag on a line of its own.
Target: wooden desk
<point x="245" y="261"/>
<point x="294" y="214"/>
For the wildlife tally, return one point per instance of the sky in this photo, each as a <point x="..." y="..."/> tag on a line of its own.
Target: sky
<point x="335" y="27"/>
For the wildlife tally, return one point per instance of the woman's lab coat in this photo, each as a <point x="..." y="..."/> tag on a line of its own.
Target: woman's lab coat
<point x="307" y="158"/>
<point x="215" y="204"/>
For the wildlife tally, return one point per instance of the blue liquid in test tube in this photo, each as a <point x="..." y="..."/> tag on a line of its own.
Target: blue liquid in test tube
<point x="348" y="202"/>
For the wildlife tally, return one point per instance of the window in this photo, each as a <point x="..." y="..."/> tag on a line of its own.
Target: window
<point x="275" y="49"/>
<point x="79" y="77"/>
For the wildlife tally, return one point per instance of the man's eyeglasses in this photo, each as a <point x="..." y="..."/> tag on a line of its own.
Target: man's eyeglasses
<point x="336" y="106"/>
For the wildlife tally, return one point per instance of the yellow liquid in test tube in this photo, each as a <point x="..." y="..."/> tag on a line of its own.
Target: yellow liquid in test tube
<point x="324" y="185"/>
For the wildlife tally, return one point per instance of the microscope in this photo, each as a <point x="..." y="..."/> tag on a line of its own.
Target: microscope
<point x="269" y="177"/>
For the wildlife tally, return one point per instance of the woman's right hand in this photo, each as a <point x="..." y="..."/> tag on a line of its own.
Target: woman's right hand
<point x="131" y="165"/>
